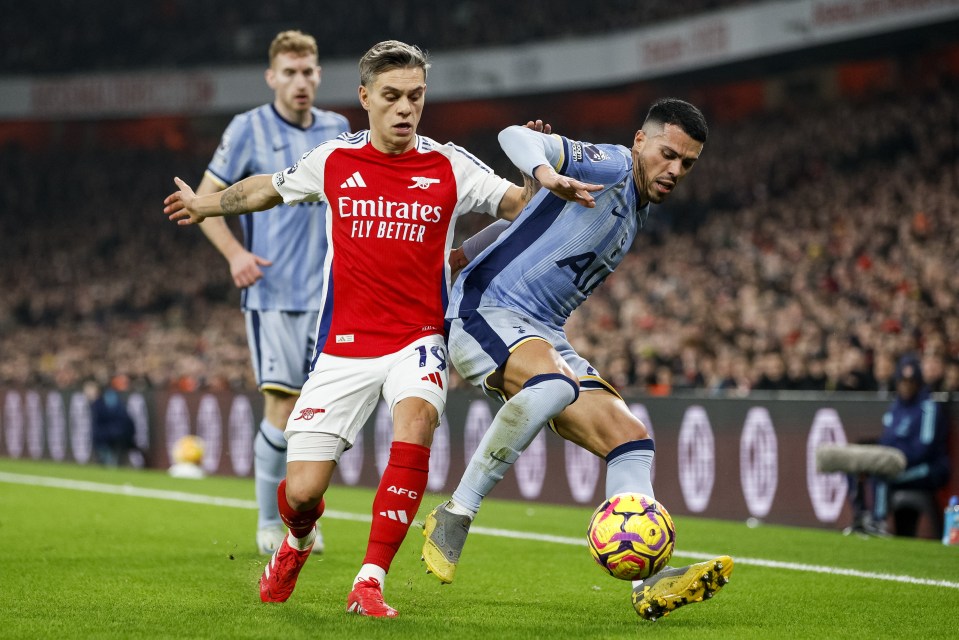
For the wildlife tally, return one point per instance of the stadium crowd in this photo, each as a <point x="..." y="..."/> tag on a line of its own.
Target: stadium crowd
<point x="815" y="246"/>
<point x="818" y="250"/>
<point x="211" y="33"/>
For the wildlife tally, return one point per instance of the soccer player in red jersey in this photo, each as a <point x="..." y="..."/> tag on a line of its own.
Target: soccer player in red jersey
<point x="393" y="197"/>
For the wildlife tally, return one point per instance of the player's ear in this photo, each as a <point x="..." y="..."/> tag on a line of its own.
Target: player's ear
<point x="639" y="141"/>
<point x="364" y="97"/>
<point x="270" y="77"/>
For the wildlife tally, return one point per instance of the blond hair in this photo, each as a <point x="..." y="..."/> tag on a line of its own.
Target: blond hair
<point x="293" y="41"/>
<point x="391" y="54"/>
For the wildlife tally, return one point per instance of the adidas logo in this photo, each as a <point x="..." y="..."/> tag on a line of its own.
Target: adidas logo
<point x="355" y="180"/>
<point x="399" y="516"/>
<point x="435" y="378"/>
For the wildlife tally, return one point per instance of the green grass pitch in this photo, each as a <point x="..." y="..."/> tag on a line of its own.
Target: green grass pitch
<point x="96" y="553"/>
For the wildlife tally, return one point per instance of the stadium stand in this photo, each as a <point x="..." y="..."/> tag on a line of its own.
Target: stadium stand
<point x="815" y="244"/>
<point x="103" y="35"/>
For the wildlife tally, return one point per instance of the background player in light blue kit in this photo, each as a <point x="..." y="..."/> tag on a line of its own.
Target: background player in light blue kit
<point x="279" y="266"/>
<point x="507" y="312"/>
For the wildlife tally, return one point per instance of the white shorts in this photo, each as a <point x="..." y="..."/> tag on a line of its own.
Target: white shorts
<point x="281" y="347"/>
<point x="481" y="343"/>
<point x="342" y="393"/>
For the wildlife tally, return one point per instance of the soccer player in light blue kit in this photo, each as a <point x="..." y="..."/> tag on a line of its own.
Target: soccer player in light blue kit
<point x="507" y="312"/>
<point x="279" y="266"/>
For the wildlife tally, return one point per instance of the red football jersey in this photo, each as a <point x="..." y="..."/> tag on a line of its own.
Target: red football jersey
<point x="389" y="228"/>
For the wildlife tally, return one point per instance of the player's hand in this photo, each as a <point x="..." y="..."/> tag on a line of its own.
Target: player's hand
<point x="567" y="188"/>
<point x="457" y="259"/>
<point x="540" y="126"/>
<point x="245" y="268"/>
<point x="178" y="205"/>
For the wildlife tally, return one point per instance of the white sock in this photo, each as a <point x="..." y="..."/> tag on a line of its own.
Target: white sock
<point x="368" y="571"/>
<point x="460" y="510"/>
<point x="301" y="544"/>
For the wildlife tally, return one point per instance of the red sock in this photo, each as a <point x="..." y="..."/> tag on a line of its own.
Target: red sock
<point x="300" y="523"/>
<point x="397" y="500"/>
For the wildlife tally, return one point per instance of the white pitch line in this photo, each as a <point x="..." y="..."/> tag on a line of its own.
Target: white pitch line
<point x="158" y="494"/>
<point x="181" y="496"/>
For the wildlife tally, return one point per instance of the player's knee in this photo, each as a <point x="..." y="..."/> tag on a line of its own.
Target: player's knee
<point x="414" y="420"/>
<point x="277" y="407"/>
<point x="303" y="496"/>
<point x="613" y="440"/>
<point x="302" y="501"/>
<point x="622" y="426"/>
<point x="554" y="391"/>
<point x="621" y="434"/>
<point x="638" y="431"/>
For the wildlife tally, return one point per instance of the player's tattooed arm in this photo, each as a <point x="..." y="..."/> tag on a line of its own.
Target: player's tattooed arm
<point x="255" y="193"/>
<point x="234" y="200"/>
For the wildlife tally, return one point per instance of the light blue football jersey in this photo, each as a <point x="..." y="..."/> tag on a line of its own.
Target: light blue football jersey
<point x="293" y="237"/>
<point x="557" y="252"/>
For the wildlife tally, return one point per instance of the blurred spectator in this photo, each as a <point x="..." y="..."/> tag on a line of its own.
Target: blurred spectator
<point x="691" y="374"/>
<point x="950" y="381"/>
<point x="620" y="372"/>
<point x="111" y="425"/>
<point x="732" y="375"/>
<point x="773" y="373"/>
<point x="816" y="376"/>
<point x="884" y="369"/>
<point x="854" y="374"/>
<point x="934" y="368"/>
<point x="663" y="384"/>
<point x="917" y="426"/>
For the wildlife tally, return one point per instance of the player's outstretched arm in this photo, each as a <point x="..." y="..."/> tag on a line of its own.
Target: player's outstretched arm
<point x="535" y="154"/>
<point x="255" y="193"/>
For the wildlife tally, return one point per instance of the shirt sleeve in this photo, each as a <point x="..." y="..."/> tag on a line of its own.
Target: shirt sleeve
<point x="596" y="163"/>
<point x="303" y="182"/>
<point x="528" y="149"/>
<point x="478" y="188"/>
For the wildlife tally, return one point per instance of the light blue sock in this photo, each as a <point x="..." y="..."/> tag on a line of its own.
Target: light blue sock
<point x="880" y="501"/>
<point x="516" y="424"/>
<point x="269" y="469"/>
<point x="628" y="468"/>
